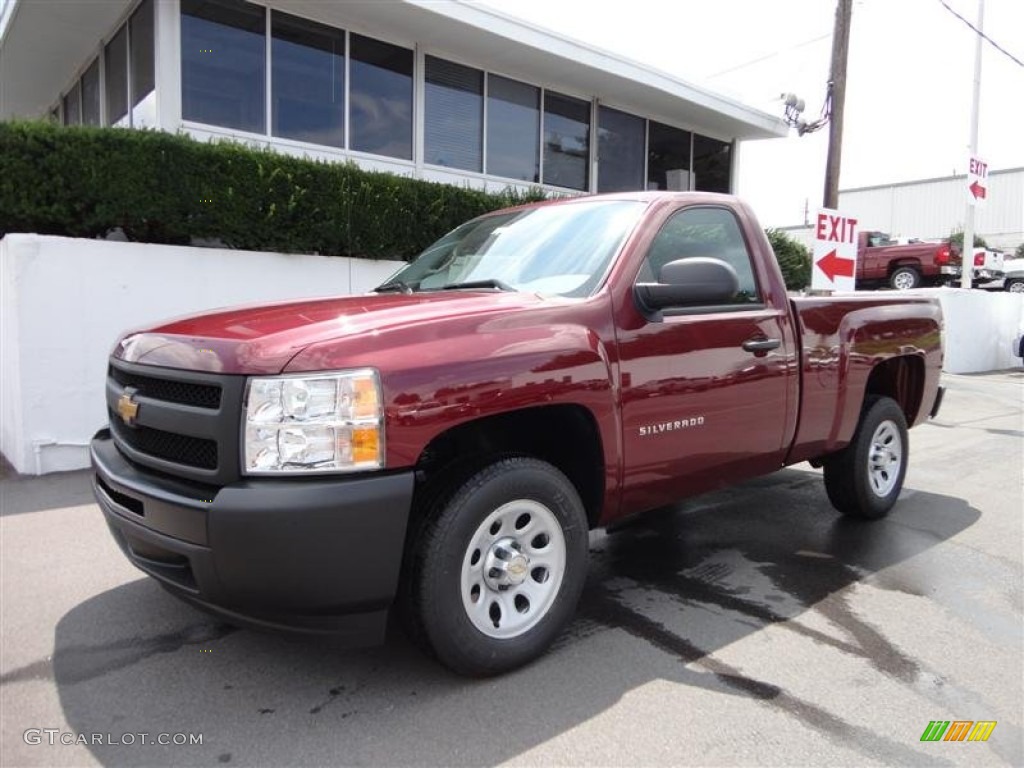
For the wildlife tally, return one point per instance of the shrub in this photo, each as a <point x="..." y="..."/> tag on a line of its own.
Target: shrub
<point x="1019" y="253"/>
<point x="957" y="239"/>
<point x="794" y="259"/>
<point x="162" y="188"/>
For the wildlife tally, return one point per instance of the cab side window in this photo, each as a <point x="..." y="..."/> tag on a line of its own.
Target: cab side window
<point x="711" y="232"/>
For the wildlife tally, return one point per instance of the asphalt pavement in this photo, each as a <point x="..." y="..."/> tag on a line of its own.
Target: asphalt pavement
<point x="752" y="626"/>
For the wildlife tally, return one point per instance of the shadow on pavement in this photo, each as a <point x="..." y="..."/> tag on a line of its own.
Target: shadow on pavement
<point x="662" y="596"/>
<point x="21" y="494"/>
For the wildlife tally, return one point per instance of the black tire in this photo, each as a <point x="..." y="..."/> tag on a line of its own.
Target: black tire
<point x="905" y="278"/>
<point x="1014" y="285"/>
<point x="438" y="617"/>
<point x="856" y="486"/>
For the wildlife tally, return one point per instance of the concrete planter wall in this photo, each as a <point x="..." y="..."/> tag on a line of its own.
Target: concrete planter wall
<point x="980" y="328"/>
<point x="64" y="301"/>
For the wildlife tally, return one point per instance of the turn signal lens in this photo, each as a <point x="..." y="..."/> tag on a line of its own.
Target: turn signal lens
<point x="365" y="445"/>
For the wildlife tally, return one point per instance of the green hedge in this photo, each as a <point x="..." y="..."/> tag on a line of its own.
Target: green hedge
<point x="162" y="188"/>
<point x="794" y="259"/>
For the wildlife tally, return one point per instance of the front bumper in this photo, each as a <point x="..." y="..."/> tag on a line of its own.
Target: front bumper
<point x="306" y="554"/>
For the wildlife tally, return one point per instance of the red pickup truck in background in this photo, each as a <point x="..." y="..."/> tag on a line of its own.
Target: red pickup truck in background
<point x="443" y="445"/>
<point x="881" y="262"/>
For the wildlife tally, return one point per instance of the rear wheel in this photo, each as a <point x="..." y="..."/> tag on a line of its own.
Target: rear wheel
<point x="1014" y="285"/>
<point x="865" y="478"/>
<point x="499" y="566"/>
<point x="905" y="278"/>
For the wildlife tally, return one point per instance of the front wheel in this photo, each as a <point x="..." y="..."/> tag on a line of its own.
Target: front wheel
<point x="1014" y="285"/>
<point x="865" y="478"/>
<point x="905" y="278"/>
<point x="499" y="567"/>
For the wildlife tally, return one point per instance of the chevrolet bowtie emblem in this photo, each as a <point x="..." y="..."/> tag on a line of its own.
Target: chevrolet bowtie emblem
<point x="127" y="408"/>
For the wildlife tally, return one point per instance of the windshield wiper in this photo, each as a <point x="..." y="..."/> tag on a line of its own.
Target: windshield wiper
<point x="488" y="283"/>
<point x="395" y="285"/>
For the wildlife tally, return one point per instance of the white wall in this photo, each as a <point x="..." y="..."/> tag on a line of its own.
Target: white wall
<point x="65" y="301"/>
<point x="980" y="328"/>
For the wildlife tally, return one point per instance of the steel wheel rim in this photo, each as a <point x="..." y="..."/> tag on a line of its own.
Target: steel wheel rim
<point x="885" y="458"/>
<point x="904" y="281"/>
<point x="512" y="569"/>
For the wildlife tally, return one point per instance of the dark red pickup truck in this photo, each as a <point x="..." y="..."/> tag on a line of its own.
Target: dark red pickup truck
<point x="445" y="444"/>
<point x="880" y="262"/>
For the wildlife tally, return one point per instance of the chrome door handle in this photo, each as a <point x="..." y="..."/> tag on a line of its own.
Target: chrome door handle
<point x="761" y="345"/>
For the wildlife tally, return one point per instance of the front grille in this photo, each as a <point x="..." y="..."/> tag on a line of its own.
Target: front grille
<point x="183" y="392"/>
<point x="181" y="449"/>
<point x="186" y="424"/>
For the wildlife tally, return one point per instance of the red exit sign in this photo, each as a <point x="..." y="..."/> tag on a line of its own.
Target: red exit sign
<point x="835" y="229"/>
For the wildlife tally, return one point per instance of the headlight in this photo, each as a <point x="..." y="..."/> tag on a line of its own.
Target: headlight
<point x="318" y="423"/>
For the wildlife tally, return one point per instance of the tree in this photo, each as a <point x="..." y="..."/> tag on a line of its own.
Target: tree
<point x="957" y="239"/>
<point x="794" y="259"/>
<point x="1019" y="253"/>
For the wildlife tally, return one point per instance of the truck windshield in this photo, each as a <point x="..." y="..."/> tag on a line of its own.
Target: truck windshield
<point x="562" y="250"/>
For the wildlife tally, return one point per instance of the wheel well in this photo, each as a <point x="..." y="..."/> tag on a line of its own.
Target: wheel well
<point x="565" y="436"/>
<point x="902" y="379"/>
<point x="893" y="266"/>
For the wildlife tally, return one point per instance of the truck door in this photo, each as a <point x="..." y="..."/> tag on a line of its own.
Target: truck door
<point x="703" y="390"/>
<point x="872" y="258"/>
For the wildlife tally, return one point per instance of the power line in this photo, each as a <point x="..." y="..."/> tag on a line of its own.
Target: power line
<point x="985" y="37"/>
<point x="759" y="59"/>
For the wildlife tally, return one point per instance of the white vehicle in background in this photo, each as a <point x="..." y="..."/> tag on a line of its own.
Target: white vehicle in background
<point x="1011" y="280"/>
<point x="988" y="265"/>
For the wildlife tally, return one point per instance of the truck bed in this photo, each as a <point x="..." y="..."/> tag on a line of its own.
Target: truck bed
<point x="843" y="337"/>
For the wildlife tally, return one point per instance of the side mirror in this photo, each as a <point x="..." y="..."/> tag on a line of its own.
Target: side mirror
<point x="698" y="280"/>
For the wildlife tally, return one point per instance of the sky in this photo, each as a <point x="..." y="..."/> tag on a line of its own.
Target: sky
<point x="909" y="81"/>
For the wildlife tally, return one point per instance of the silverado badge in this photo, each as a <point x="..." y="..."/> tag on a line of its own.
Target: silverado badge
<point x="127" y="407"/>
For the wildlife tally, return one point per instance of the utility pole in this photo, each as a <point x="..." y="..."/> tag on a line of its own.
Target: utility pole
<point x="837" y="96"/>
<point x="967" y="256"/>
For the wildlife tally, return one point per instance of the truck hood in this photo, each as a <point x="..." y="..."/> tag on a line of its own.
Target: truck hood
<point x="262" y="339"/>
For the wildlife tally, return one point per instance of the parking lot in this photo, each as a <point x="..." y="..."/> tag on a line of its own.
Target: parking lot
<point x="749" y="626"/>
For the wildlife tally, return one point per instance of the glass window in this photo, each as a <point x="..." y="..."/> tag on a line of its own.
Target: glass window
<point x="381" y="98"/>
<point x="308" y="85"/>
<point x="513" y="129"/>
<point x="142" y="52"/>
<point x="223" y="63"/>
<point x="711" y="164"/>
<point x="710" y="232"/>
<point x="91" y="94"/>
<point x="562" y="249"/>
<point x="454" y="116"/>
<point x="668" y="157"/>
<point x="116" y="80"/>
<point x="620" y="146"/>
<point x="566" y="141"/>
<point x="73" y="105"/>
